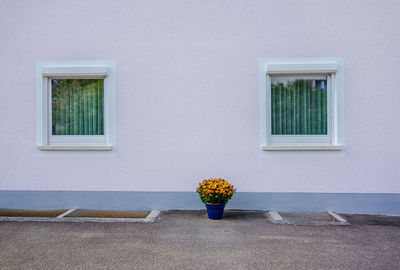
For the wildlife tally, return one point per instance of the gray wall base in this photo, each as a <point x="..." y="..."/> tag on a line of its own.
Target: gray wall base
<point x="370" y="203"/>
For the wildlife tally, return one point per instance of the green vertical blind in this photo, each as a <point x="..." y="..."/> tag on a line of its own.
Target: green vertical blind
<point x="299" y="105"/>
<point x="77" y="106"/>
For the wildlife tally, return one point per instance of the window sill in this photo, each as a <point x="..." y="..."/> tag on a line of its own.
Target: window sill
<point x="302" y="147"/>
<point x="74" y="147"/>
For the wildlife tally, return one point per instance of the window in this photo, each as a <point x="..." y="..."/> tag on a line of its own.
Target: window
<point x="301" y="104"/>
<point x="75" y="102"/>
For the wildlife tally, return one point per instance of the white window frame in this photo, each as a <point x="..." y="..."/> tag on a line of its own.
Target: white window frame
<point x="332" y="68"/>
<point x="45" y="72"/>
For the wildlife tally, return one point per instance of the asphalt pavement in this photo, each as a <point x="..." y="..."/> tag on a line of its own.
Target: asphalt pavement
<point x="188" y="240"/>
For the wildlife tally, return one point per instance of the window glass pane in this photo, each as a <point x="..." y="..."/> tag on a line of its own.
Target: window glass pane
<point x="299" y="105"/>
<point x="77" y="106"/>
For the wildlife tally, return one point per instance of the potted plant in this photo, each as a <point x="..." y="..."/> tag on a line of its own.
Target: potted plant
<point x="215" y="193"/>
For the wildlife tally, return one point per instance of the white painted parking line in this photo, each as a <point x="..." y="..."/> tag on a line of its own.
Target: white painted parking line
<point x="62" y="218"/>
<point x="66" y="213"/>
<point x="152" y="216"/>
<point x="338" y="218"/>
<point x="73" y="219"/>
<point x="275" y="217"/>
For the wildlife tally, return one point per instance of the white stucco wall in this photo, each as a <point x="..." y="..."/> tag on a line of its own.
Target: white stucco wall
<point x="187" y="92"/>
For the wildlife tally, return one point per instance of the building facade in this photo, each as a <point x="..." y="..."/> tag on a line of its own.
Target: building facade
<point x="187" y="92"/>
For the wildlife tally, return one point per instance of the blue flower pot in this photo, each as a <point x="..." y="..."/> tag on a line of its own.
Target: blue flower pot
<point x="215" y="211"/>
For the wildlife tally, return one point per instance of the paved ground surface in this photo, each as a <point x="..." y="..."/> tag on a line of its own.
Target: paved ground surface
<point x="188" y="240"/>
<point x="311" y="218"/>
